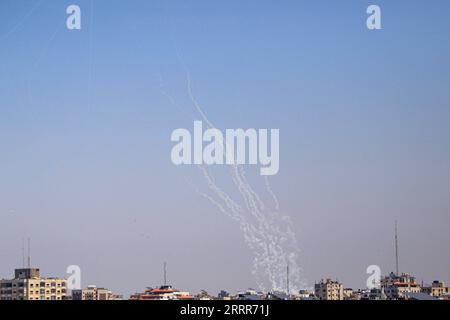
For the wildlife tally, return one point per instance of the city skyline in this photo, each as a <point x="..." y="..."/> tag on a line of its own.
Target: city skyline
<point x="29" y="284"/>
<point x="372" y="273"/>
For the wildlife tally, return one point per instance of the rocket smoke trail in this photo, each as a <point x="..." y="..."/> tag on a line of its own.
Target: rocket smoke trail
<point x="268" y="234"/>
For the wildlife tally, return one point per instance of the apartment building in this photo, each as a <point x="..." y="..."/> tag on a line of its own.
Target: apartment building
<point x="399" y="286"/>
<point x="328" y="289"/>
<point x="437" y="289"/>
<point x="28" y="285"/>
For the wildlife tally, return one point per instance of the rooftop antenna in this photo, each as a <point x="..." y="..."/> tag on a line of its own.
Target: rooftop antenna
<point x="29" y="253"/>
<point x="23" y="252"/>
<point x="396" y="249"/>
<point x="287" y="278"/>
<point x="165" y="273"/>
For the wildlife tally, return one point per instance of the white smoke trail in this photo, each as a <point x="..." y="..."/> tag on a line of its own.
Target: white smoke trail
<point x="270" y="191"/>
<point x="268" y="235"/>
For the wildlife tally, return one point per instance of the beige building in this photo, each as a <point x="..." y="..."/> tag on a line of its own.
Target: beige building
<point x="327" y="289"/>
<point x="437" y="289"/>
<point x="94" y="293"/>
<point x="28" y="285"/>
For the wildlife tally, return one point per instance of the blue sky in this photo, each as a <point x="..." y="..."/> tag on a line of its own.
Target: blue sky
<point x="85" y="135"/>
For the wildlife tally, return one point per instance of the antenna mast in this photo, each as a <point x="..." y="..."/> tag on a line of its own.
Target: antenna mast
<point x="29" y="253"/>
<point x="396" y="249"/>
<point x="287" y="278"/>
<point x="165" y="273"/>
<point x="23" y="252"/>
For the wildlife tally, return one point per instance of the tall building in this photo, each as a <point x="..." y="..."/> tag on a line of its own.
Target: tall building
<point x="327" y="289"/>
<point x="94" y="293"/>
<point x="28" y="285"/>
<point x="397" y="287"/>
